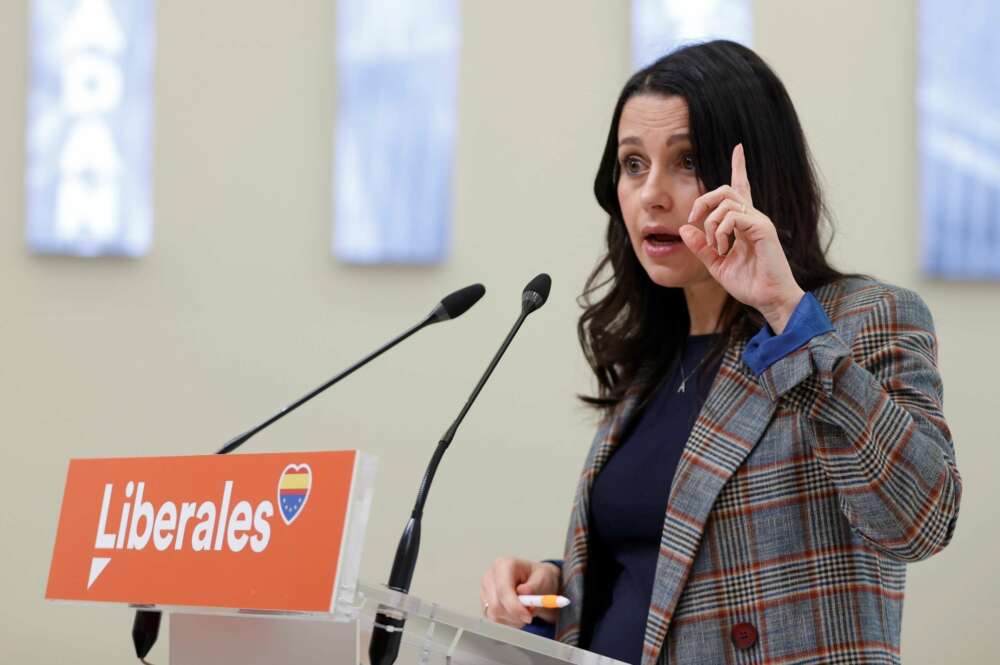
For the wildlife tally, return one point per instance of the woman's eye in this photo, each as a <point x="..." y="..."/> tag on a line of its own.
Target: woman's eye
<point x="631" y="165"/>
<point x="687" y="162"/>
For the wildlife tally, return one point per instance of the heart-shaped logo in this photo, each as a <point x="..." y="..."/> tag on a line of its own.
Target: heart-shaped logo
<point x="293" y="490"/>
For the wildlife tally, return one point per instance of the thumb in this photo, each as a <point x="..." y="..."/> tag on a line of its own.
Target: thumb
<point x="694" y="238"/>
<point x="532" y="585"/>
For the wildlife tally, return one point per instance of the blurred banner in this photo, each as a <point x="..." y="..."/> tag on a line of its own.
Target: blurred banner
<point x="958" y="103"/>
<point x="397" y="97"/>
<point x="660" y="26"/>
<point x="89" y="133"/>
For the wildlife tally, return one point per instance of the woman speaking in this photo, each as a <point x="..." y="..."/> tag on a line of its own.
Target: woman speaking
<point x="772" y="450"/>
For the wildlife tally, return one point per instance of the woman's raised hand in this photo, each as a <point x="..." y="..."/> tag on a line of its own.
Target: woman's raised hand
<point x="509" y="577"/>
<point x="753" y="269"/>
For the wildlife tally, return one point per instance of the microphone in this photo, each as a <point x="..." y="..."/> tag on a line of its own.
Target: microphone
<point x="146" y="626"/>
<point x="388" y="629"/>
<point x="451" y="306"/>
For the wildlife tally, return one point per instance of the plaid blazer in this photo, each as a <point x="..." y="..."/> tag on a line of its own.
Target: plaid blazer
<point x="799" y="497"/>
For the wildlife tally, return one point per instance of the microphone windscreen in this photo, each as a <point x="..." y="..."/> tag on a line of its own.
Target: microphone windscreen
<point x="457" y="303"/>
<point x="541" y="285"/>
<point x="536" y="292"/>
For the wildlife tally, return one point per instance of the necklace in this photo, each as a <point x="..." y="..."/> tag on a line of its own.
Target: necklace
<point x="684" y="376"/>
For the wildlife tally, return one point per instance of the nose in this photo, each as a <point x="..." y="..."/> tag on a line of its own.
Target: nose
<point x="655" y="193"/>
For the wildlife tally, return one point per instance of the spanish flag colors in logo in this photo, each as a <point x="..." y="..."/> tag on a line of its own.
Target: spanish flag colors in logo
<point x="293" y="490"/>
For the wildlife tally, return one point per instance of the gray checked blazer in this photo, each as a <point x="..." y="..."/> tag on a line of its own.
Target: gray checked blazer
<point x="799" y="498"/>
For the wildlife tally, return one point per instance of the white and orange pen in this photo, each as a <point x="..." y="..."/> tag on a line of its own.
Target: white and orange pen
<point x="548" y="602"/>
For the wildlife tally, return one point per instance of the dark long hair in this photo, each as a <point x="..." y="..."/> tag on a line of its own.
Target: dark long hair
<point x="631" y="329"/>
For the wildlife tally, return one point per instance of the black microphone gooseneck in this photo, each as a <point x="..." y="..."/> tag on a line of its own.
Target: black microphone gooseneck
<point x="146" y="627"/>
<point x="388" y="630"/>
<point x="450" y="307"/>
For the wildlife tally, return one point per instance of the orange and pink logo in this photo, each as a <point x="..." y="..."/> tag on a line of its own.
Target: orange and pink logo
<point x="204" y="530"/>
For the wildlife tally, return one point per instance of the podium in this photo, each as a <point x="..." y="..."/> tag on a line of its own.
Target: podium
<point x="433" y="635"/>
<point x="255" y="559"/>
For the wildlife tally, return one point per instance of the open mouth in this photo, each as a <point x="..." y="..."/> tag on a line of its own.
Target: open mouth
<point x="662" y="238"/>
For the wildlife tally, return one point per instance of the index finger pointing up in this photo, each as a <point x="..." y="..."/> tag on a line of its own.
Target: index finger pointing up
<point x="739" y="181"/>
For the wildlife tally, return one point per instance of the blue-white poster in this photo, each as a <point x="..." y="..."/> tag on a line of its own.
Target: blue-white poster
<point x="660" y="26"/>
<point x="958" y="123"/>
<point x="397" y="98"/>
<point x="89" y="133"/>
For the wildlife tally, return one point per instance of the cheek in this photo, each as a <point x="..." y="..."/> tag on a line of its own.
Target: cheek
<point x="629" y="205"/>
<point x="690" y="194"/>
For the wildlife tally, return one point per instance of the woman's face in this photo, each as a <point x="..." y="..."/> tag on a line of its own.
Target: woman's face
<point x="657" y="186"/>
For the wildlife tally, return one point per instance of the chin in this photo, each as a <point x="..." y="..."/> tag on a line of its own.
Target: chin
<point x="673" y="277"/>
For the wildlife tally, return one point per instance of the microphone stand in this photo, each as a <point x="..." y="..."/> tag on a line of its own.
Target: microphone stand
<point x="238" y="440"/>
<point x="388" y="630"/>
<point x="409" y="544"/>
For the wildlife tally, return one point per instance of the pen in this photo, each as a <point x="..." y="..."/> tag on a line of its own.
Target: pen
<point x="551" y="602"/>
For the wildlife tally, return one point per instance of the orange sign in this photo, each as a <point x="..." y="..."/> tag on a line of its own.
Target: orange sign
<point x="260" y="531"/>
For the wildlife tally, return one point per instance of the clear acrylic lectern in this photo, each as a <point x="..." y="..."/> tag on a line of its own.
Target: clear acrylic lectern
<point x="434" y="635"/>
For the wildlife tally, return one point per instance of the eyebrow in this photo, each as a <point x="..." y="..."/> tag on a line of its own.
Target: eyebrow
<point x="634" y="140"/>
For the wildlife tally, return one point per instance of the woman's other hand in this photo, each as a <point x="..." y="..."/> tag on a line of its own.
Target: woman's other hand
<point x="509" y="577"/>
<point x="752" y="267"/>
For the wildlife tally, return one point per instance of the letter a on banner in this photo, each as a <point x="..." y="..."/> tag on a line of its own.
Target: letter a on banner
<point x="90" y="110"/>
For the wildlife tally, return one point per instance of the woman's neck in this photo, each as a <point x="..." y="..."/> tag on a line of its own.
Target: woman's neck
<point x="704" y="303"/>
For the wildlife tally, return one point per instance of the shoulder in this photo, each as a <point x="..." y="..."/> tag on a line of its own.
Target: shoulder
<point x="861" y="303"/>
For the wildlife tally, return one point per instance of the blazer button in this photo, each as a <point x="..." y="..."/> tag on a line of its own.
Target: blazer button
<point x="744" y="636"/>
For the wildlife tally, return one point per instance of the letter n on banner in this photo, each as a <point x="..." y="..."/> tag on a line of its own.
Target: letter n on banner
<point x="397" y="81"/>
<point x="90" y="110"/>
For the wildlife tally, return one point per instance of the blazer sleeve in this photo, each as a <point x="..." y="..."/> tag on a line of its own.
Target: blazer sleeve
<point x="880" y="435"/>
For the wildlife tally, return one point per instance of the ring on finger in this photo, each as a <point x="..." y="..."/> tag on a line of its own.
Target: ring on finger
<point x="486" y="607"/>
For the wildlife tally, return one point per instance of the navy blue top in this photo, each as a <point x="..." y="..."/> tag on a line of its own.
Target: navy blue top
<point x="628" y="500"/>
<point x="629" y="496"/>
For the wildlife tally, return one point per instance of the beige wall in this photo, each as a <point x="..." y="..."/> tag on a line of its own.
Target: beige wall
<point x="240" y="306"/>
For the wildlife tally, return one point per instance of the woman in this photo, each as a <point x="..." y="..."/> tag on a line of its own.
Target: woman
<point x="773" y="449"/>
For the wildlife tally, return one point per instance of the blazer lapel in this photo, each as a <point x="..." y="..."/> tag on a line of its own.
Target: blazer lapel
<point x="733" y="418"/>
